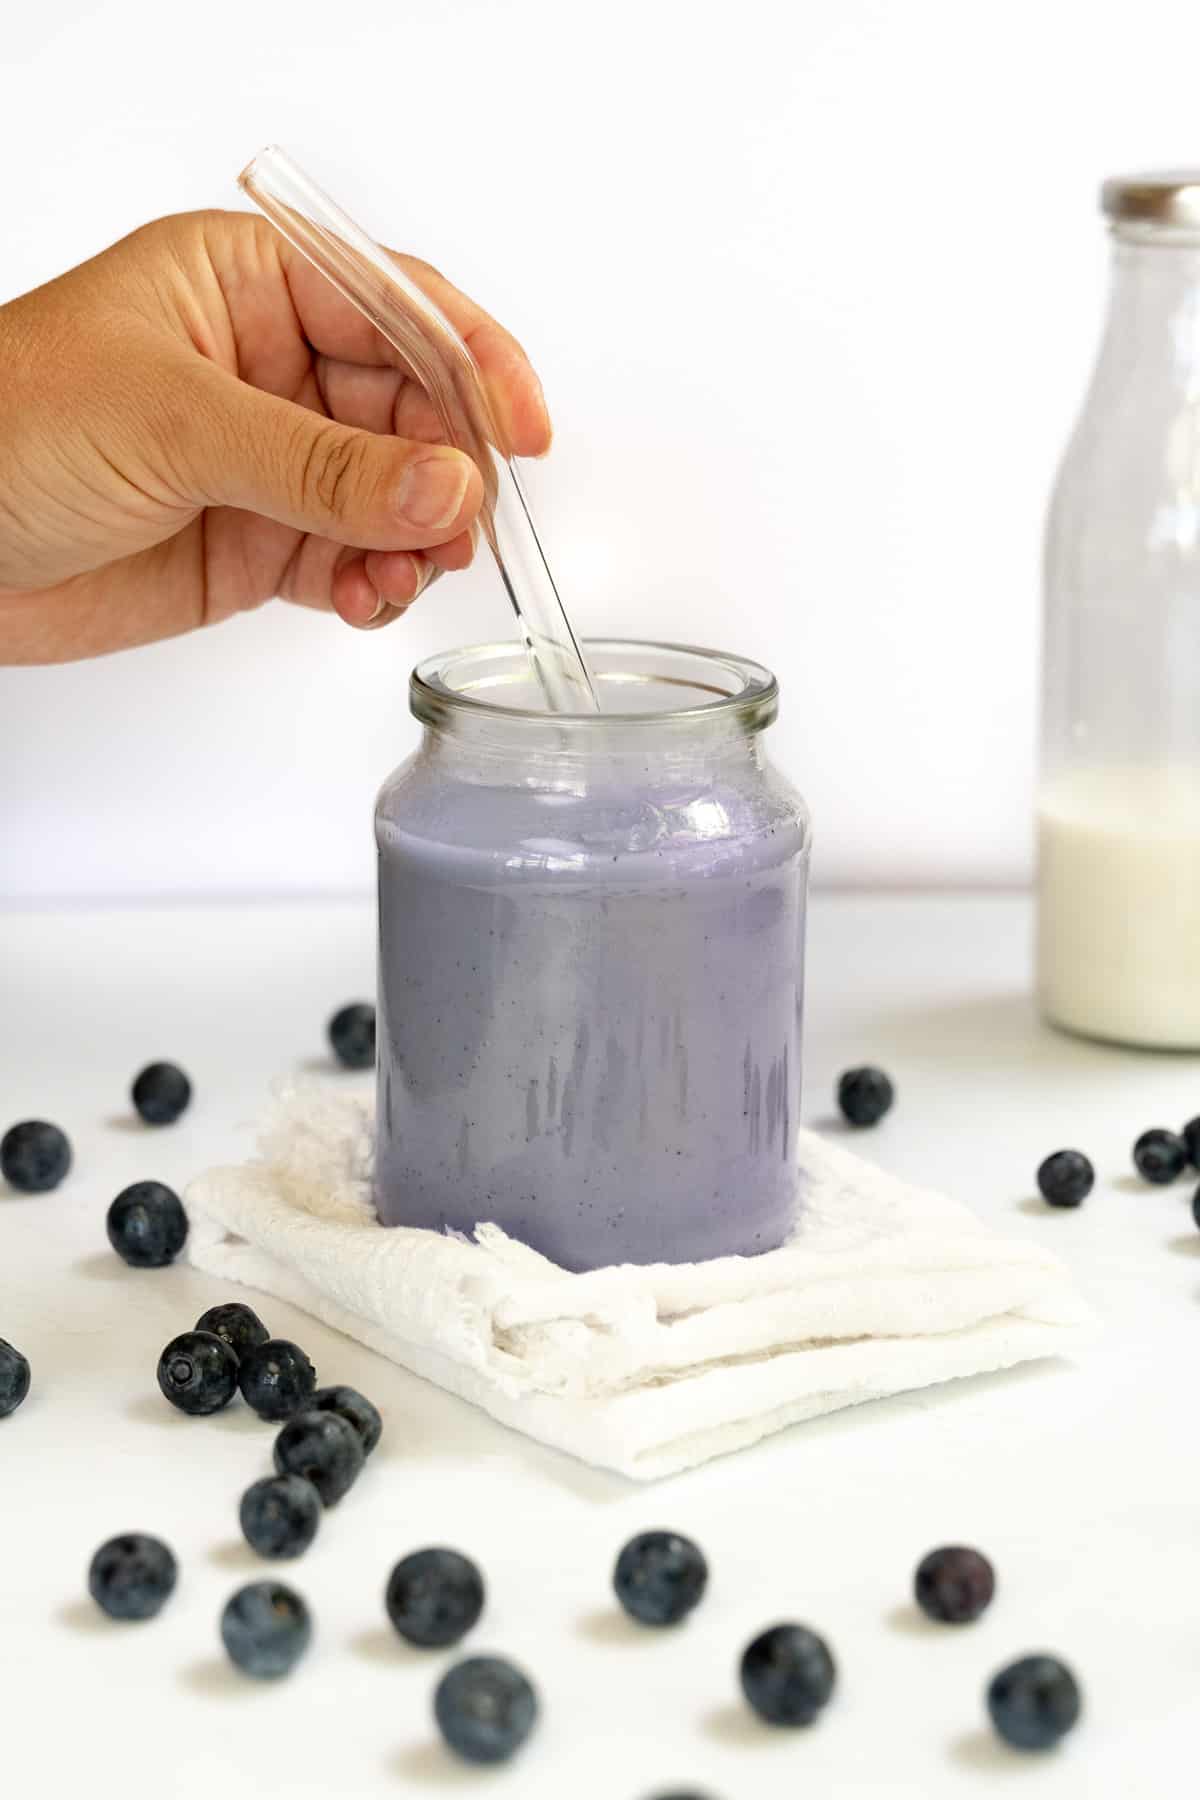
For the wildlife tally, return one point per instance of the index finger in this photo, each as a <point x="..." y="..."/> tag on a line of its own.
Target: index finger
<point x="337" y="329"/>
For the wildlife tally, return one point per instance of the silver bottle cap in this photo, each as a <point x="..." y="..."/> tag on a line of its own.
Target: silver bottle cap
<point x="1165" y="197"/>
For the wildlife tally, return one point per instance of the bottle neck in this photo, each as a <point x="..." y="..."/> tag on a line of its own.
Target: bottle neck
<point x="1154" y="303"/>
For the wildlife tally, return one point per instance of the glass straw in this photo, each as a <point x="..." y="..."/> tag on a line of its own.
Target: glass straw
<point x="371" y="279"/>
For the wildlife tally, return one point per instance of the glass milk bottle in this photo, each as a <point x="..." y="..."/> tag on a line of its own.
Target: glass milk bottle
<point x="1119" y="803"/>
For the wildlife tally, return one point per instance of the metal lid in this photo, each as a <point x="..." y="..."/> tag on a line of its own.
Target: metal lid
<point x="1168" y="197"/>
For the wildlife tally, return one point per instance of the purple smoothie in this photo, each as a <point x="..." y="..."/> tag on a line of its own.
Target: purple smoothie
<point x="590" y="1004"/>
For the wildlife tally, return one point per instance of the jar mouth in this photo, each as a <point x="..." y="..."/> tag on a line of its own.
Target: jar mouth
<point x="639" y="684"/>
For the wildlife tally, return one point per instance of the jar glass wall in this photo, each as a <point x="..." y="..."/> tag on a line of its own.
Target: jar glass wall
<point x="591" y="961"/>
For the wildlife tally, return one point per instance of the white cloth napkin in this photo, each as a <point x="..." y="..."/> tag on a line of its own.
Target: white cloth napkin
<point x="646" y="1370"/>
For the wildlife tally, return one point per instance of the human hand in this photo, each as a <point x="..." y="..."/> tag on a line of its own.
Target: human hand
<point x="195" y="421"/>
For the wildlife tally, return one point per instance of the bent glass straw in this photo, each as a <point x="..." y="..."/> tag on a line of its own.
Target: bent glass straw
<point x="370" y="279"/>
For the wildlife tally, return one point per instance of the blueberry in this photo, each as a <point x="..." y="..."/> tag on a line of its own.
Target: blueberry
<point x="954" y="1585"/>
<point x="660" y="1577"/>
<point x="280" y="1514"/>
<point x="864" y="1096"/>
<point x="198" y="1372"/>
<point x="352" y="1035"/>
<point x="355" y="1408"/>
<point x="322" y="1448"/>
<point x="788" y="1675"/>
<point x="1066" y="1178"/>
<point x="34" y="1156"/>
<point x="1191" y="1137"/>
<point x="1159" y="1156"/>
<point x="277" y="1379"/>
<point x="1196" y="1207"/>
<point x="434" y="1597"/>
<point x="266" y="1629"/>
<point x="161" y="1092"/>
<point x="132" y="1577"/>
<point x="236" y="1325"/>
<point x="14" y="1378"/>
<point x="1033" y="1703"/>
<point x="485" y="1709"/>
<point x="147" y="1226"/>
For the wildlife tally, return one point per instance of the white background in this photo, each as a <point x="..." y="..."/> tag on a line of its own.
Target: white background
<point x="813" y="288"/>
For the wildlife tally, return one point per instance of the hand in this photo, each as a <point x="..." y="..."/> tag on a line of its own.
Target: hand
<point x="195" y="421"/>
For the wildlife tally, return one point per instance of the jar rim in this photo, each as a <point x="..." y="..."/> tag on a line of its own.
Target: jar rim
<point x="743" y="691"/>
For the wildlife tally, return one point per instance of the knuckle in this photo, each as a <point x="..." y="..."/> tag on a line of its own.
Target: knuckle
<point x="329" y="472"/>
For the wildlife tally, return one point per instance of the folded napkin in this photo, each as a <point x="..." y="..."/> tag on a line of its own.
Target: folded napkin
<point x="647" y="1370"/>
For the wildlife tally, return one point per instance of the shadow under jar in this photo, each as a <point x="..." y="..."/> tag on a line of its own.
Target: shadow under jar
<point x="591" y="954"/>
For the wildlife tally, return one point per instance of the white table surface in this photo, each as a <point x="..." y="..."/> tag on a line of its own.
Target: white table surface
<point x="1081" y="1481"/>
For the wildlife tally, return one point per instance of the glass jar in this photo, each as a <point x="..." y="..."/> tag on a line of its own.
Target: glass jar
<point x="1119" y="803"/>
<point x="591" y="960"/>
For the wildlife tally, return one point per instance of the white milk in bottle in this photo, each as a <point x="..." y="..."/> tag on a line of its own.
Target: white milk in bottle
<point x="1119" y="916"/>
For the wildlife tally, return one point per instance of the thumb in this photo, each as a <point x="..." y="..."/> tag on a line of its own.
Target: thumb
<point x="253" y="450"/>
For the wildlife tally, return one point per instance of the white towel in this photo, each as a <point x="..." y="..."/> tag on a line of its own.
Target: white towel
<point x="647" y="1370"/>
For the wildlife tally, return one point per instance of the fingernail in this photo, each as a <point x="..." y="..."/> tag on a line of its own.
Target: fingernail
<point x="389" y="610"/>
<point x="432" y="491"/>
<point x="380" y="603"/>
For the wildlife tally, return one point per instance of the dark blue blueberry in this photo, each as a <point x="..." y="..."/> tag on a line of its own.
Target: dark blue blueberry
<point x="788" y="1675"/>
<point x="322" y="1448"/>
<point x="1191" y="1137"/>
<point x="161" y="1092"/>
<point x="864" y="1096"/>
<point x="355" y="1408"/>
<point x="239" y="1326"/>
<point x="147" y="1226"/>
<point x="485" y="1709"/>
<point x="266" y="1629"/>
<point x="434" y="1597"/>
<point x="198" y="1372"/>
<point x="277" y="1379"/>
<point x="1033" y="1703"/>
<point x="14" y="1378"/>
<point x="34" y="1156"/>
<point x="1159" y="1156"/>
<point x="954" y="1585"/>
<point x="1066" y="1178"/>
<point x="280" y="1514"/>
<point x="660" y="1577"/>
<point x="352" y="1036"/>
<point x="132" y="1577"/>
